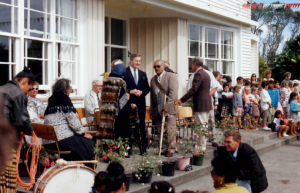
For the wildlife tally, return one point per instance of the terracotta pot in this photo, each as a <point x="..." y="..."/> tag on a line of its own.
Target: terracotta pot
<point x="183" y="162"/>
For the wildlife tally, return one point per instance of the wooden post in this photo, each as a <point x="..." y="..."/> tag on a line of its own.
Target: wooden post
<point x="162" y="128"/>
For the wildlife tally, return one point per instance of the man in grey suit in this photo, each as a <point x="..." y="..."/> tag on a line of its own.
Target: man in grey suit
<point x="164" y="84"/>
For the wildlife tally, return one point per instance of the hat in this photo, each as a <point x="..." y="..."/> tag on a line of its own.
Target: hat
<point x="223" y="80"/>
<point x="296" y="81"/>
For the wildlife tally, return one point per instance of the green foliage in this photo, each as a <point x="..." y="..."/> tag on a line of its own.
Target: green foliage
<point x="289" y="60"/>
<point x="148" y="162"/>
<point x="263" y="67"/>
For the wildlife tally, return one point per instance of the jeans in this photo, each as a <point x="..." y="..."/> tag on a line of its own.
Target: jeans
<point x="244" y="183"/>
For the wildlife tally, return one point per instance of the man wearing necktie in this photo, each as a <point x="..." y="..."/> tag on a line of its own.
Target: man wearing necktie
<point x="92" y="101"/>
<point x="164" y="84"/>
<point x="138" y="87"/>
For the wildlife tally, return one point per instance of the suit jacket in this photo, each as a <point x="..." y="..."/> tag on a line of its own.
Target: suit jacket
<point x="249" y="167"/>
<point x="142" y="85"/>
<point x="200" y="92"/>
<point x="169" y="81"/>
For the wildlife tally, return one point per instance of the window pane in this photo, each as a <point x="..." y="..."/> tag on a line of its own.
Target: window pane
<point x="67" y="7"/>
<point x="194" y="32"/>
<point x="15" y="20"/>
<point x="118" y="32"/>
<point x="66" y="70"/>
<point x="34" y="49"/>
<point x="36" y="67"/>
<point x="107" y="68"/>
<point x="4" y="49"/>
<point x="64" y="52"/>
<point x="212" y="65"/>
<point x="46" y="72"/>
<point x="117" y="53"/>
<point x="227" y="38"/>
<point x="5" y="18"/>
<point x="212" y="51"/>
<point x="25" y="22"/>
<point x="66" y="29"/>
<point x="37" y="24"/>
<point x="227" y="52"/>
<point x="37" y="5"/>
<point x="211" y="35"/>
<point x="190" y="65"/>
<point x="25" y="3"/>
<point x="6" y="1"/>
<point x="194" y="48"/>
<point x="106" y="30"/>
<point x="227" y="67"/>
<point x="4" y="69"/>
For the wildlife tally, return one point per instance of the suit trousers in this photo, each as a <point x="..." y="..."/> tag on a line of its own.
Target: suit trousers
<point x="212" y="121"/>
<point x="171" y="124"/>
<point x="201" y="117"/>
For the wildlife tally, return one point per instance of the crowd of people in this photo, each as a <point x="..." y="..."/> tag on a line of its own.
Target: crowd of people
<point x="262" y="102"/>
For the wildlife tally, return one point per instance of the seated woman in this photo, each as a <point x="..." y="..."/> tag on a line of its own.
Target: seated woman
<point x="36" y="108"/>
<point x="224" y="175"/>
<point x="62" y="115"/>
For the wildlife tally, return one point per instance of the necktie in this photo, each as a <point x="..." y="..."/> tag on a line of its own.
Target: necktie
<point x="98" y="100"/>
<point x="135" y="77"/>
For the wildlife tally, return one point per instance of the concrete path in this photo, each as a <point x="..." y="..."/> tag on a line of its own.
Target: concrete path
<point x="282" y="167"/>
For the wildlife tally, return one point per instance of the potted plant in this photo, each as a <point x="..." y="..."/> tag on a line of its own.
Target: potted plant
<point x="198" y="155"/>
<point x="184" y="148"/>
<point x="144" y="166"/>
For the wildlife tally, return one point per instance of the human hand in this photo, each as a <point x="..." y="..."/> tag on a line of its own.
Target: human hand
<point x="138" y="93"/>
<point x="237" y="110"/>
<point x="87" y="135"/>
<point x="152" y="116"/>
<point x="42" y="115"/>
<point x="133" y="91"/>
<point x="179" y="101"/>
<point x="242" y="110"/>
<point x="166" y="110"/>
<point x="215" y="107"/>
<point x="133" y="106"/>
<point x="270" y="105"/>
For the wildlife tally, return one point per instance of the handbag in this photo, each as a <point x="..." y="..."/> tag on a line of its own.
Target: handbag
<point x="134" y="119"/>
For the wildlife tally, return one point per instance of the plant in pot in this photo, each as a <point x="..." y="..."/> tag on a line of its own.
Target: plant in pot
<point x="143" y="166"/>
<point x="198" y="155"/>
<point x="184" y="148"/>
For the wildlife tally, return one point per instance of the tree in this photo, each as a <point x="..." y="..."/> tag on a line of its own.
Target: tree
<point x="263" y="67"/>
<point x="289" y="60"/>
<point x="295" y="27"/>
<point x="260" y="15"/>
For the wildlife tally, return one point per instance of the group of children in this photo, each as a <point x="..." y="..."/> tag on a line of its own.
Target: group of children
<point x="265" y="103"/>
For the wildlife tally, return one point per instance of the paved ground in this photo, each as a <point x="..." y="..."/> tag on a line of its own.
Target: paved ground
<point x="282" y="171"/>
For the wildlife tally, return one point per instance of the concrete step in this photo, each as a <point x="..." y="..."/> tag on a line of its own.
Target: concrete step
<point x="261" y="144"/>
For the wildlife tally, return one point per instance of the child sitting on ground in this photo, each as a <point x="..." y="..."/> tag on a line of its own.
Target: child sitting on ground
<point x="226" y="101"/>
<point x="280" y="128"/>
<point x="99" y="184"/>
<point x="237" y="103"/>
<point x="294" y="109"/>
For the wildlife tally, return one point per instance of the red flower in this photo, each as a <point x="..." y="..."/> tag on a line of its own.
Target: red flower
<point x="115" y="147"/>
<point x="104" y="156"/>
<point x="108" y="146"/>
<point x="110" y="149"/>
<point x="249" y="127"/>
<point x="45" y="169"/>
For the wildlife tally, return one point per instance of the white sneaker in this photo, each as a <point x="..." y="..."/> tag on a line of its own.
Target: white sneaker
<point x="267" y="128"/>
<point x="285" y="135"/>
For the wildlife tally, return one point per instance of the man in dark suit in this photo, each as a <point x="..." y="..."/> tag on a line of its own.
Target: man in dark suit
<point x="200" y="92"/>
<point x="251" y="172"/>
<point x="138" y="87"/>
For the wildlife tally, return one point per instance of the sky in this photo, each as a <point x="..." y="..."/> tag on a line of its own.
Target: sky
<point x="286" y="32"/>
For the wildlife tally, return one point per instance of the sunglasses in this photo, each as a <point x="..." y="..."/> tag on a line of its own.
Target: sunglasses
<point x="34" y="89"/>
<point x="156" y="67"/>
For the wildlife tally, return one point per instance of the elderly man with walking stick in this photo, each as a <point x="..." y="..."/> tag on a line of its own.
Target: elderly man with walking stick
<point x="164" y="93"/>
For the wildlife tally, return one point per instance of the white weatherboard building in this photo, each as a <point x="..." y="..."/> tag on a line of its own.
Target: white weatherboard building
<point x="78" y="39"/>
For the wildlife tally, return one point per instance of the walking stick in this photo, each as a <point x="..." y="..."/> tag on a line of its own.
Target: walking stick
<point x="162" y="128"/>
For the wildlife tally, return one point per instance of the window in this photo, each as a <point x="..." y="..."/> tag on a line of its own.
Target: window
<point x="115" y="41"/>
<point x="218" y="48"/>
<point x="211" y="43"/>
<point x="9" y="16"/>
<point x="7" y="64"/>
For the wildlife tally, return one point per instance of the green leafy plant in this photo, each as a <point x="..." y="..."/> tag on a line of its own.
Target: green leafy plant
<point x="184" y="148"/>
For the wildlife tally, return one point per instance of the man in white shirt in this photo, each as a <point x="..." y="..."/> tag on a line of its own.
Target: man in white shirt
<point x="92" y="101"/>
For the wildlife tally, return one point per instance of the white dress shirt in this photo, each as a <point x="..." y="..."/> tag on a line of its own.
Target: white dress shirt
<point x="159" y="79"/>
<point x="132" y="72"/>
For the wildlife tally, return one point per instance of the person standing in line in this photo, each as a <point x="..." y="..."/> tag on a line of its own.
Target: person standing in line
<point x="200" y="92"/>
<point x="237" y="105"/>
<point x="164" y="84"/>
<point x="265" y="104"/>
<point x="15" y="111"/>
<point x="274" y="95"/>
<point x="287" y="76"/>
<point x="138" y="87"/>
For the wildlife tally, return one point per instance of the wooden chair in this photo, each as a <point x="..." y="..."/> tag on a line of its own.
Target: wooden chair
<point x="185" y="112"/>
<point x="149" y="124"/>
<point x="81" y="114"/>
<point x="48" y="132"/>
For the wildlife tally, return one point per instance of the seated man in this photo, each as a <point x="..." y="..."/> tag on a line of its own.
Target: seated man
<point x="92" y="101"/>
<point x="251" y="173"/>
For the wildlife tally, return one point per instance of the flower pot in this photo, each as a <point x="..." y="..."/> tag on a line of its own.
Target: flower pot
<point x="145" y="177"/>
<point x="128" y="181"/>
<point x="183" y="162"/>
<point x="168" y="169"/>
<point x="198" y="160"/>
